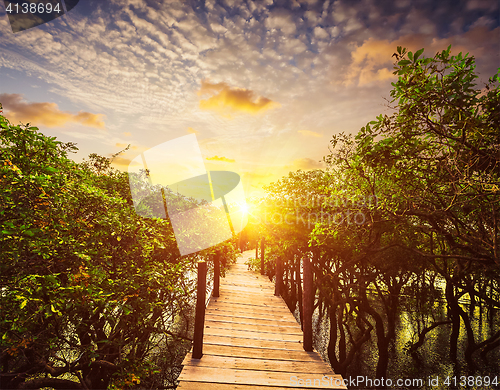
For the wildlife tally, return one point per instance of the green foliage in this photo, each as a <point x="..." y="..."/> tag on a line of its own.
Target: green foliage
<point x="89" y="289"/>
<point x="440" y="150"/>
<point x="425" y="180"/>
<point x="253" y="264"/>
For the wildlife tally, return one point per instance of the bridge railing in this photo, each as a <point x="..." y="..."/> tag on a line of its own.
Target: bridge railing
<point x="201" y="301"/>
<point x="306" y="304"/>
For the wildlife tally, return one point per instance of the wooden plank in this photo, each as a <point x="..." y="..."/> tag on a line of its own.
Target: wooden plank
<point x="246" y="279"/>
<point x="254" y="343"/>
<point x="246" y="306"/>
<point x="253" y="323"/>
<point x="260" y="353"/>
<point x="219" y="315"/>
<point x="256" y="377"/>
<point x="253" y="303"/>
<point x="224" y="386"/>
<point x="249" y="320"/>
<point x="285" y="317"/>
<point x="252" y="327"/>
<point x="246" y="288"/>
<point x="312" y="367"/>
<point x="254" y="335"/>
<point x="250" y="300"/>
<point x="246" y="283"/>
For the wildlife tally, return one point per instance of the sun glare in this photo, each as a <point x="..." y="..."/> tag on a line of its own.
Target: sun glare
<point x="244" y="208"/>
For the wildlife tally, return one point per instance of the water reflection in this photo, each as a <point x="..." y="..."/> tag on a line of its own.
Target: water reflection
<point x="432" y="359"/>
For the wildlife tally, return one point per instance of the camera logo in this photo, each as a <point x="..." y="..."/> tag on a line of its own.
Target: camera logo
<point x="204" y="207"/>
<point x="25" y="14"/>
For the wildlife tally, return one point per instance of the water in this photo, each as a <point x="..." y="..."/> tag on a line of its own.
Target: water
<point x="430" y="367"/>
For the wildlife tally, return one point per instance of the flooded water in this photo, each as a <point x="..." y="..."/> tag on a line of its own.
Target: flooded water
<point x="431" y="367"/>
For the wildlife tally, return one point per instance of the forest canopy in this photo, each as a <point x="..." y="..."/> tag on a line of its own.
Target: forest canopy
<point x="92" y="295"/>
<point x="405" y="216"/>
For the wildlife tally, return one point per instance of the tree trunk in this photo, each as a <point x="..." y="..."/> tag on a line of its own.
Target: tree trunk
<point x="454" y="314"/>
<point x="332" y="343"/>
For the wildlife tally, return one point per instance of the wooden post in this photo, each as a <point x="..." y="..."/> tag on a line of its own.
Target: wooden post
<point x="278" y="288"/>
<point x="298" y="283"/>
<point x="199" y="320"/>
<point x="286" y="267"/>
<point x="307" y="303"/>
<point x="262" y="251"/>
<point x="256" y="249"/>
<point x="215" y="292"/>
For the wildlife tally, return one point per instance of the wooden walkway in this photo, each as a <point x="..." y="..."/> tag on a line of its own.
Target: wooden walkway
<point x="252" y="341"/>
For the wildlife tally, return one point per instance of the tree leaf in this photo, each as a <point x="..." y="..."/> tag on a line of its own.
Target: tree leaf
<point x="418" y="54"/>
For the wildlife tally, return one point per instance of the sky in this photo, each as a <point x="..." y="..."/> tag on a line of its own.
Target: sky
<point x="263" y="84"/>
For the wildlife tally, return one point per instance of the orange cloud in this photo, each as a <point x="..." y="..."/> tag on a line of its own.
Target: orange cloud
<point x="373" y="61"/>
<point x="47" y="114"/>
<point x="122" y="163"/>
<point x="127" y="134"/>
<point x="260" y="179"/>
<point x="209" y="88"/>
<point x="123" y="146"/>
<point x="190" y="130"/>
<point x="226" y="99"/>
<point x="224" y="159"/>
<point x="309" y="133"/>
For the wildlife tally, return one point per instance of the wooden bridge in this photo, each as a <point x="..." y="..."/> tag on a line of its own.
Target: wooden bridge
<point x="250" y="340"/>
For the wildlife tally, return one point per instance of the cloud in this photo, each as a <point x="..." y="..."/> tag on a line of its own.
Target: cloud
<point x="46" y="114"/>
<point x="227" y="99"/>
<point x="306" y="164"/>
<point x="258" y="179"/>
<point x="309" y="133"/>
<point x="140" y="62"/>
<point x="123" y="146"/>
<point x="190" y="130"/>
<point x="372" y="60"/>
<point x="321" y="33"/>
<point x="122" y="163"/>
<point x="224" y="159"/>
<point x="281" y="19"/>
